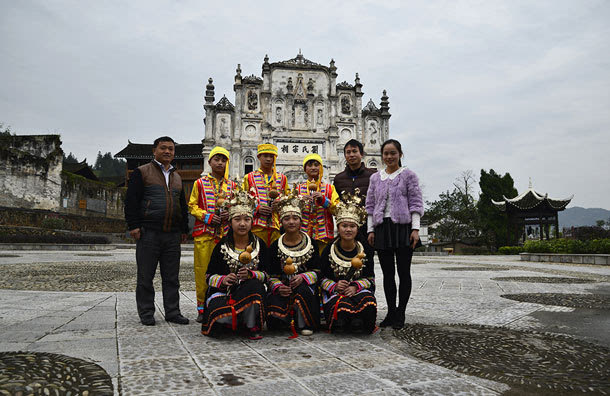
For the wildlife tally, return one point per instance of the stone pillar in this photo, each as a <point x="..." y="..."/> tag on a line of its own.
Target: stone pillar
<point x="266" y="74"/>
<point x="237" y="88"/>
<point x="333" y="78"/>
<point x="209" y="112"/>
<point x="385" y="117"/>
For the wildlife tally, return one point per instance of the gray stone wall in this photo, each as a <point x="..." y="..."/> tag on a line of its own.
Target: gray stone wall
<point x="86" y="197"/>
<point x="30" y="171"/>
<point x="31" y="177"/>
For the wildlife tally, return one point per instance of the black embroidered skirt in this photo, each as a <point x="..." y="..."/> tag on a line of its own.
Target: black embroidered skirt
<point x="248" y="293"/>
<point x="362" y="305"/>
<point x="305" y="300"/>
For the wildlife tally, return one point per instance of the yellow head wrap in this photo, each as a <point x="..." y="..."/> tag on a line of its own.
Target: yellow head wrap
<point x="315" y="157"/>
<point x="267" y="148"/>
<point x="222" y="151"/>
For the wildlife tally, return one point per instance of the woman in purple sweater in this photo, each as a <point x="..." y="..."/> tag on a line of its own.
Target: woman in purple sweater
<point x="394" y="205"/>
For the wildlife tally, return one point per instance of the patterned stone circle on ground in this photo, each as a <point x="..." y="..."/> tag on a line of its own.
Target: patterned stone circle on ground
<point x="82" y="276"/>
<point x="542" y="279"/>
<point x="475" y="269"/>
<point x="526" y="360"/>
<point x="38" y="373"/>
<point x="590" y="301"/>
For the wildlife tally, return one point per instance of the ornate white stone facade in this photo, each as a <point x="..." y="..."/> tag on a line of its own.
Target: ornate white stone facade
<point x="298" y="106"/>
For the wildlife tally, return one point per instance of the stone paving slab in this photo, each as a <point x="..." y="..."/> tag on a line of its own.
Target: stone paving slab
<point x="103" y="327"/>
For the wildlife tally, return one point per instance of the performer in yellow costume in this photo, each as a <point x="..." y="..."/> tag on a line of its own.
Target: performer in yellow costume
<point x="211" y="222"/>
<point x="321" y="199"/>
<point x="267" y="185"/>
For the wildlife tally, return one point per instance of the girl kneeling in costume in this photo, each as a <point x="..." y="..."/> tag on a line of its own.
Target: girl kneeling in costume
<point x="235" y="296"/>
<point x="348" y="278"/>
<point x="293" y="298"/>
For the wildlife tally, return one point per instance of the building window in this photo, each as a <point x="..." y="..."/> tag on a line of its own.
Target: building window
<point x="248" y="165"/>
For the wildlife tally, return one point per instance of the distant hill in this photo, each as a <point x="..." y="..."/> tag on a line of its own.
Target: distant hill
<point x="577" y="216"/>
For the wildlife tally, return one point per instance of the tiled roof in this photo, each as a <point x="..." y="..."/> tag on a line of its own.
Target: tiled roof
<point x="144" y="151"/>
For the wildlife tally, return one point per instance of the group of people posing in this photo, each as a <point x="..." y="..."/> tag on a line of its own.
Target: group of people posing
<point x="267" y="253"/>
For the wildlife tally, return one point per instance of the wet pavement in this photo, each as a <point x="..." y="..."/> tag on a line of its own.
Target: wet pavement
<point x="483" y="325"/>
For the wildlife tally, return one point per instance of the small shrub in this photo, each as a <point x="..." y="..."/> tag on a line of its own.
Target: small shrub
<point x="472" y="250"/>
<point x="511" y="250"/>
<point x="53" y="223"/>
<point x="569" y="246"/>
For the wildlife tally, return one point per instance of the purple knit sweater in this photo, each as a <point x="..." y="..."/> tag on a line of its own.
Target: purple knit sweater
<point x="405" y="197"/>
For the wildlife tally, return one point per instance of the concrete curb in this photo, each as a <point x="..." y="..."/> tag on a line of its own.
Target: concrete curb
<point x="74" y="247"/>
<point x="597" y="259"/>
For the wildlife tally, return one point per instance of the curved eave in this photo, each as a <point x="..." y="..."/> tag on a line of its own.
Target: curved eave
<point x="560" y="204"/>
<point x="522" y="196"/>
<point x="499" y="205"/>
<point x="523" y="207"/>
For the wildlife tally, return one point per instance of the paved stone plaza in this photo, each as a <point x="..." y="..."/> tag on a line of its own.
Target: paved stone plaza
<point x="549" y="335"/>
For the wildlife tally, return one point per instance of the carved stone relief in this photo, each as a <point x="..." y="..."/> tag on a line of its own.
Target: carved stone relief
<point x="346" y="104"/>
<point x="346" y="134"/>
<point x="252" y="100"/>
<point x="250" y="130"/>
<point x="300" y="115"/>
<point x="373" y="132"/>
<point x="223" y="133"/>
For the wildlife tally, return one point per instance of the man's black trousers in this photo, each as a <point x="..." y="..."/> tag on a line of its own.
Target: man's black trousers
<point x="164" y="248"/>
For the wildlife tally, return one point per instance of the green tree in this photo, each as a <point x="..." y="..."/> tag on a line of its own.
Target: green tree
<point x="71" y="159"/>
<point x="453" y="216"/>
<point x="493" y="222"/>
<point x="107" y="166"/>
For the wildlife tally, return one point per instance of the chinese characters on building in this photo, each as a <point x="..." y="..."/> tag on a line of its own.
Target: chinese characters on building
<point x="295" y="148"/>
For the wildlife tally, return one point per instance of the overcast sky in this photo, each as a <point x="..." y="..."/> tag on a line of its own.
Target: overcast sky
<point x="517" y="86"/>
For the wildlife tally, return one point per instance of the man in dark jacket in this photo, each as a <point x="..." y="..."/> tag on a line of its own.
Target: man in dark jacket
<point x="355" y="175"/>
<point x="156" y="214"/>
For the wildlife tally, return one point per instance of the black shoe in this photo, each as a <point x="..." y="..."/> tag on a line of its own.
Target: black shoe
<point x="179" y="319"/>
<point x="389" y="320"/>
<point x="148" y="321"/>
<point x="200" y="318"/>
<point x="399" y="322"/>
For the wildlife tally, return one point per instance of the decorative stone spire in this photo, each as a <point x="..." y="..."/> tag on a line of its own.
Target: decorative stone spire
<point x="209" y="92"/>
<point x="530" y="185"/>
<point x="333" y="69"/>
<point x="385" y="104"/>
<point x="358" y="86"/>
<point x="333" y="78"/>
<point x="266" y="66"/>
<point x="238" y="75"/>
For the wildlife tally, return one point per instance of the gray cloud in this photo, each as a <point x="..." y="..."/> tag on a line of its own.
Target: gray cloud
<point x="517" y="86"/>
